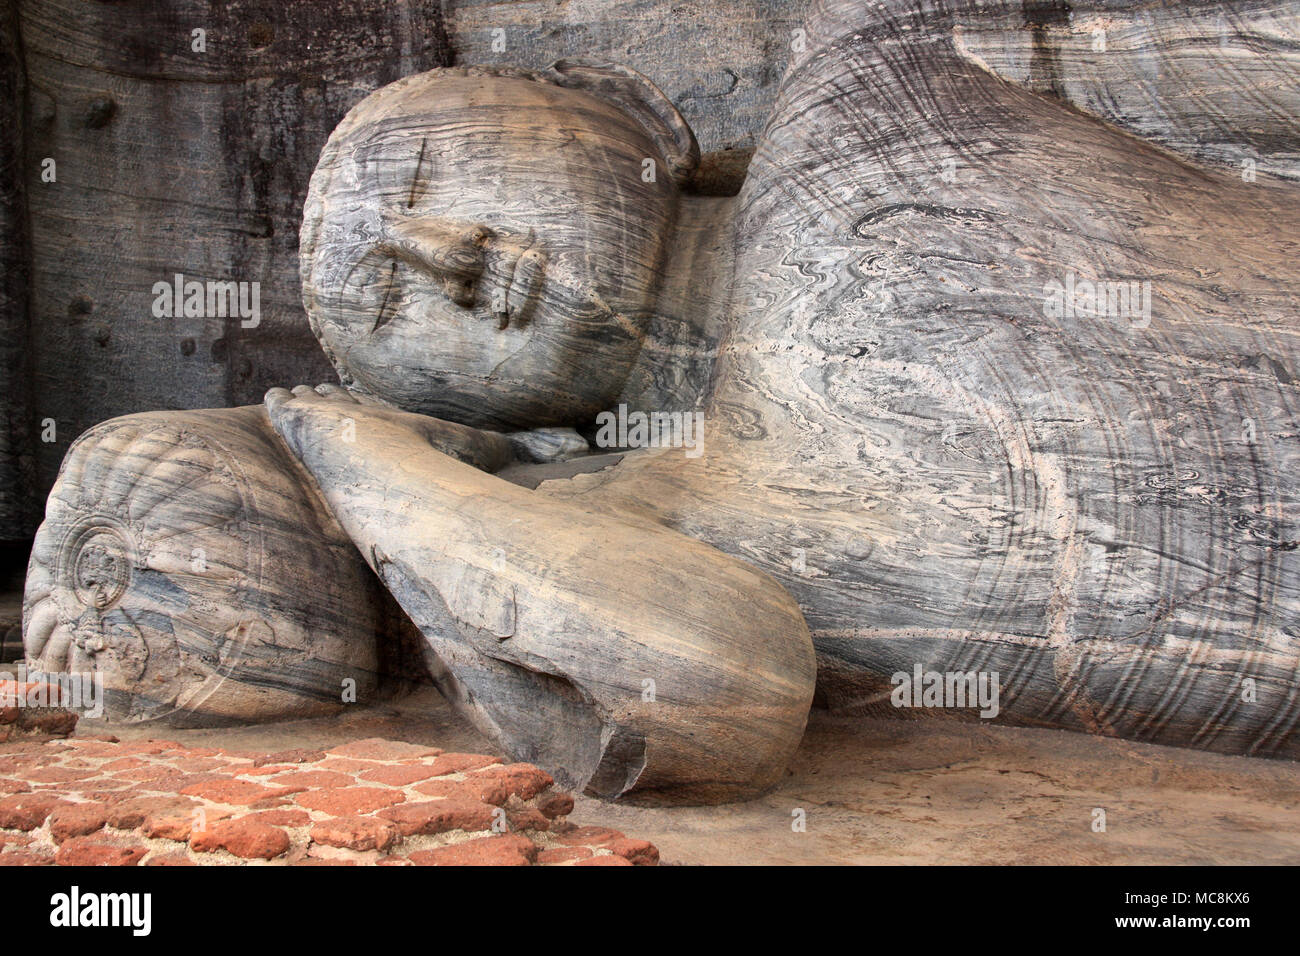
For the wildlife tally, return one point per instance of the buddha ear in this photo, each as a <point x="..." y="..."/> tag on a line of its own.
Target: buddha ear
<point x="640" y="99"/>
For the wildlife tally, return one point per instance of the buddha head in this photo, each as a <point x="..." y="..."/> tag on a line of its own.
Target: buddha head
<point x="484" y="245"/>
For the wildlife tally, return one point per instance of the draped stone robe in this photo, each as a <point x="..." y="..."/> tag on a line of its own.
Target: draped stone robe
<point x="948" y="458"/>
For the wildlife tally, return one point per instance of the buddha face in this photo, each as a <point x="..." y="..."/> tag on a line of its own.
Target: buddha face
<point x="485" y="249"/>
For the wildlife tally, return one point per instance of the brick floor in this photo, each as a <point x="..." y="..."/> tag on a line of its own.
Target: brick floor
<point x="97" y="801"/>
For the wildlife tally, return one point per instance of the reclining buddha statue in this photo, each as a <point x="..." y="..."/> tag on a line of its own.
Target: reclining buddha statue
<point x="995" y="358"/>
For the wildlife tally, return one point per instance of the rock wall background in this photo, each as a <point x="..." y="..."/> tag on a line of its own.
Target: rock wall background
<point x="718" y="60"/>
<point x="171" y="158"/>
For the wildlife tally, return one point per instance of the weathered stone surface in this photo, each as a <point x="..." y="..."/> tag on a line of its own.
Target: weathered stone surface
<point x="355" y="833"/>
<point x="172" y="160"/>
<point x="99" y="851"/>
<point x="186" y="561"/>
<point x="440" y="816"/>
<point x="76" y="819"/>
<point x="335" y="821"/>
<point x="18" y="501"/>
<point x="927" y="446"/>
<point x="506" y="850"/>
<point x="132" y="813"/>
<point x="244" y="837"/>
<point x="26" y="811"/>
<point x="719" y="63"/>
<point x="528" y="636"/>
<point x="349" y="800"/>
<point x="910" y="429"/>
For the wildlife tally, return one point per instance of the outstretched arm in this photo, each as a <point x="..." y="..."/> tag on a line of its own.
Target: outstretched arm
<point x="619" y="655"/>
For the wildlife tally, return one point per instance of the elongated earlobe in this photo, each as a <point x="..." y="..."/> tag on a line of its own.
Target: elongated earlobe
<point x="640" y="99"/>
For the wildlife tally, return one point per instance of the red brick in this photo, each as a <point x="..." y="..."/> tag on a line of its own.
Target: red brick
<point x="30" y="693"/>
<point x="76" y="819"/>
<point x="346" y="764"/>
<point x="462" y="763"/>
<point x="563" y="854"/>
<point x="26" y="811"/>
<point x="555" y="804"/>
<point x="147" y="771"/>
<point x="21" y="763"/>
<point x="129" y="814"/>
<point x="347" y="801"/>
<point x="122" y="763"/>
<point x="244" y="837"/>
<point x="57" y="775"/>
<point x="92" y="747"/>
<point x="236" y="754"/>
<point x="377" y="748"/>
<point x="176" y="780"/>
<point x="237" y="792"/>
<point x="439" y="816"/>
<point x="286" y="817"/>
<point x="314" y="861"/>
<point x="355" y="833"/>
<point x="524" y="780"/>
<point x="179" y="822"/>
<point x="315" y="779"/>
<point x="636" y="852"/>
<point x="507" y="850"/>
<point x="495" y="792"/>
<point x="527" y="818"/>
<point x="98" y="851"/>
<point x="37" y="856"/>
<point x="610" y="860"/>
<point x="36" y="748"/>
<point x="8" y="785"/>
<point x="398" y="775"/>
<point x="148" y="747"/>
<point x="93" y="785"/>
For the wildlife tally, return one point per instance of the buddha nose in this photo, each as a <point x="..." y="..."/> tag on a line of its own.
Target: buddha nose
<point x="451" y="253"/>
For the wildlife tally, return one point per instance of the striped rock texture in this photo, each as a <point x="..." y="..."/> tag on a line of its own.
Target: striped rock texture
<point x="186" y="560"/>
<point x="995" y="351"/>
<point x="541" y="205"/>
<point x="941" y="461"/>
<point x="617" y="654"/>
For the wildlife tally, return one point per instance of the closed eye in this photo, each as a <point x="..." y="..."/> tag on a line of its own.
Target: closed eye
<point x="387" y="308"/>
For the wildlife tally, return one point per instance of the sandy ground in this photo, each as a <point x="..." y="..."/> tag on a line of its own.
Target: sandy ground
<point x="912" y="792"/>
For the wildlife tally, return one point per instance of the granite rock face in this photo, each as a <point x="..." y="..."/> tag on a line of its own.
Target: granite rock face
<point x="188" y="563"/>
<point x="147" y="131"/>
<point x="175" y="153"/>
<point x="1007" y="389"/>
<point x="989" y="370"/>
<point x="720" y="63"/>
